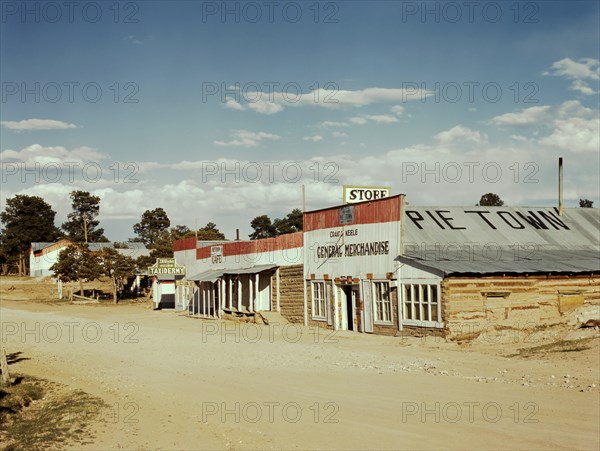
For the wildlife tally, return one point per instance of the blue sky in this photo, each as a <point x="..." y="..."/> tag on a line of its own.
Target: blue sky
<point x="221" y="111"/>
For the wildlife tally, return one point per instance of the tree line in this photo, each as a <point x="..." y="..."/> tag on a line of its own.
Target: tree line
<point x="29" y="219"/>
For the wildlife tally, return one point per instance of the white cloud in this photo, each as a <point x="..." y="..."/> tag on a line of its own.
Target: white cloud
<point x="425" y="172"/>
<point x="339" y="135"/>
<point x="274" y="102"/>
<point x="383" y="118"/>
<point x="370" y="96"/>
<point x="574" y="108"/>
<point x="233" y="105"/>
<point x="578" y="71"/>
<point x="583" y="69"/>
<point x="37" y="124"/>
<point x="572" y="126"/>
<point x="582" y="87"/>
<point x="575" y="134"/>
<point x="331" y="124"/>
<point x="518" y="138"/>
<point x="315" y="138"/>
<point x="42" y="155"/>
<point x="133" y="40"/>
<point x="245" y="138"/>
<point x="265" y="107"/>
<point x="379" y="118"/>
<point x="397" y="109"/>
<point x="460" y="133"/>
<point x="532" y="115"/>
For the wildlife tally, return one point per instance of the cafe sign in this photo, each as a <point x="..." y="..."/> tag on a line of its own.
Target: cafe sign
<point x="216" y="255"/>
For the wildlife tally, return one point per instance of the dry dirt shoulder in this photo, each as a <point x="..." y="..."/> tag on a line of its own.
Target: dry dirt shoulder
<point x="180" y="383"/>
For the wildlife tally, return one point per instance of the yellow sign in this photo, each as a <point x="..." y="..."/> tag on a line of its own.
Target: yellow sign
<point x="166" y="266"/>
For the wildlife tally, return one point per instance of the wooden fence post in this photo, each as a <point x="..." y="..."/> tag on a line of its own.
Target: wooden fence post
<point x="5" y="382"/>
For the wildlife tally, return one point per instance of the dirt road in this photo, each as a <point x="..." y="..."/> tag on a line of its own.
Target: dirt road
<point x="180" y="383"/>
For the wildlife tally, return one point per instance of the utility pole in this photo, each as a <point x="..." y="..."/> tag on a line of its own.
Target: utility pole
<point x="85" y="227"/>
<point x="303" y="199"/>
<point x="560" y="186"/>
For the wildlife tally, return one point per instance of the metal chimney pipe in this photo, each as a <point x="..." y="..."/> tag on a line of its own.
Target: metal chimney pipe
<point x="560" y="186"/>
<point x="237" y="234"/>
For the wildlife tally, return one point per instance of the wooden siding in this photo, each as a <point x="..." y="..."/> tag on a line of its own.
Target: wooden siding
<point x="291" y="301"/>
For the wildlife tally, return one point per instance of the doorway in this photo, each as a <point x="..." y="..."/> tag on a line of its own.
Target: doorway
<point x="353" y="307"/>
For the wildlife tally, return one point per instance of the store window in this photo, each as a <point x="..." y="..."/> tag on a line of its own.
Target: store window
<point x="383" y="302"/>
<point x="421" y="305"/>
<point x="318" y="301"/>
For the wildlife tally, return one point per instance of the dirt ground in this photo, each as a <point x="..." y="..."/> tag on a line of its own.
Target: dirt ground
<point x="173" y="382"/>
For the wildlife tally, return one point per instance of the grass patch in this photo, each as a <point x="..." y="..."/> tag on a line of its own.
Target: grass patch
<point x="39" y="414"/>
<point x="579" y="345"/>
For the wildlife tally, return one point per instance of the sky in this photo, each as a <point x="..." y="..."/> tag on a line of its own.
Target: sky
<point x="221" y="111"/>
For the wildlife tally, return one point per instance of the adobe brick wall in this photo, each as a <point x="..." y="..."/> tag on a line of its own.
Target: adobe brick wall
<point x="532" y="301"/>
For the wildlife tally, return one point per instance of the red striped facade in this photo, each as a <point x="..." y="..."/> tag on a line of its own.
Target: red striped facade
<point x="369" y="212"/>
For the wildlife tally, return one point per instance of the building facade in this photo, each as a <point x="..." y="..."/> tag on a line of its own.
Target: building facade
<point x="43" y="255"/>
<point x="350" y="266"/>
<point x="385" y="268"/>
<point x="469" y="270"/>
<point x="242" y="277"/>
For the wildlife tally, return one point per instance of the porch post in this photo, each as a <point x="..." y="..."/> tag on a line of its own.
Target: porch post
<point x="278" y="281"/>
<point x="239" y="293"/>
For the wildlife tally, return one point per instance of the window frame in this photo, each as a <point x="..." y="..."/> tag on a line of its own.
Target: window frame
<point x="375" y="303"/>
<point x="421" y="311"/>
<point x="314" y="300"/>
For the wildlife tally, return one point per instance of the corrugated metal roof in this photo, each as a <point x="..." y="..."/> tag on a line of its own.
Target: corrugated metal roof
<point x="95" y="247"/>
<point x="135" y="245"/>
<point x="504" y="261"/>
<point x="132" y="247"/>
<point x="212" y="275"/>
<point x="252" y="270"/>
<point x="134" y="253"/>
<point x="206" y="276"/>
<point x="207" y="243"/>
<point x="39" y="246"/>
<point x="578" y="228"/>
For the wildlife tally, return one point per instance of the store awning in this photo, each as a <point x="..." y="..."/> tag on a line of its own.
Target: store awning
<point x="207" y="276"/>
<point x="252" y="270"/>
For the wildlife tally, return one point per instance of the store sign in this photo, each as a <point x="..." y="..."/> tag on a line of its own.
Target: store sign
<point x="216" y="255"/>
<point x="357" y="249"/>
<point x="353" y="194"/>
<point x="166" y="266"/>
